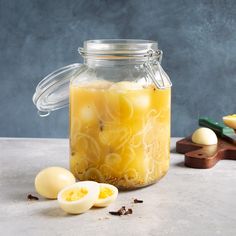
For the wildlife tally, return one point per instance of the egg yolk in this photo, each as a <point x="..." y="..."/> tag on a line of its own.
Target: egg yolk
<point x="74" y="194"/>
<point x="231" y="116"/>
<point x="105" y="192"/>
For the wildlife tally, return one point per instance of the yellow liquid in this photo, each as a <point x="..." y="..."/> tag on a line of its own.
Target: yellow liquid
<point x="119" y="136"/>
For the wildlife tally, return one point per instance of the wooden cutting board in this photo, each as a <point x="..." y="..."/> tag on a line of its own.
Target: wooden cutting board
<point x="203" y="157"/>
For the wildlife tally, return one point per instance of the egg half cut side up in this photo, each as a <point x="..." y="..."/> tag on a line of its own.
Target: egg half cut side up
<point x="79" y="197"/>
<point x="108" y="194"/>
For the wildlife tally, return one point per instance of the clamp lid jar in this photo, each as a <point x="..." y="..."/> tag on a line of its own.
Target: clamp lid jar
<point x="119" y="102"/>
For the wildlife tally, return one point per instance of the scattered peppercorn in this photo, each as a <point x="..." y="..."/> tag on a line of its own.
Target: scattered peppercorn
<point x="122" y="211"/>
<point x="129" y="211"/>
<point x="31" y="197"/>
<point x="138" y="201"/>
<point x="101" y="125"/>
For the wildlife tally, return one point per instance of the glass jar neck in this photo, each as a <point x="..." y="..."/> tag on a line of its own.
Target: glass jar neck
<point x="119" y="59"/>
<point x="110" y="62"/>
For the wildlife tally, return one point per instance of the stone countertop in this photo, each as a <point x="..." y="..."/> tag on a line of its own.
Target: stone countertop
<point x="186" y="202"/>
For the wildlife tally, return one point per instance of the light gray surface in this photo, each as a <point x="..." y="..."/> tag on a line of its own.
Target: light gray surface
<point x="38" y="36"/>
<point x="186" y="202"/>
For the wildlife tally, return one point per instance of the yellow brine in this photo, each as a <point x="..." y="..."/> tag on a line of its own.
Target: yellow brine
<point x="119" y="133"/>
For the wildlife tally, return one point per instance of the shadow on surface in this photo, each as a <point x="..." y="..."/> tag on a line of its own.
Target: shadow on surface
<point x="173" y="150"/>
<point x="17" y="188"/>
<point x="180" y="164"/>
<point x="54" y="212"/>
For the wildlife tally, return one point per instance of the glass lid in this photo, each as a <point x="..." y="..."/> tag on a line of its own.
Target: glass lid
<point x="52" y="92"/>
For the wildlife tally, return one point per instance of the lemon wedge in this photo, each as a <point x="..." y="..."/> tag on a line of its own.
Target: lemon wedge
<point x="230" y="121"/>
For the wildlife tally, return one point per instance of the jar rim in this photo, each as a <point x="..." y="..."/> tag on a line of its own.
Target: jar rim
<point x="117" y="47"/>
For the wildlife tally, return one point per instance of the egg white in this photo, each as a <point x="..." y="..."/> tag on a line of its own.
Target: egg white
<point x="84" y="203"/>
<point x="107" y="201"/>
<point x="204" y="136"/>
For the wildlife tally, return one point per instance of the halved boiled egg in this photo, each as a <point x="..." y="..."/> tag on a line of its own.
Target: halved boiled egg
<point x="108" y="194"/>
<point x="230" y="121"/>
<point x="79" y="197"/>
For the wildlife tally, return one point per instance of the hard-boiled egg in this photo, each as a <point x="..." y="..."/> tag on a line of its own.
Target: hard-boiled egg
<point x="141" y="101"/>
<point x="138" y="100"/>
<point x="50" y="181"/>
<point x="108" y="194"/>
<point x="126" y="85"/>
<point x="230" y="121"/>
<point x="96" y="84"/>
<point x="204" y="136"/>
<point x="79" y="197"/>
<point x="88" y="113"/>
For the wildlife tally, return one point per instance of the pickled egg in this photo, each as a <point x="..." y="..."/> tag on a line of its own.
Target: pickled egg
<point x="88" y="113"/>
<point x="79" y="197"/>
<point x="50" y="181"/>
<point x="204" y="136"/>
<point x="141" y="101"/>
<point x="96" y="84"/>
<point x="126" y="85"/>
<point x="107" y="194"/>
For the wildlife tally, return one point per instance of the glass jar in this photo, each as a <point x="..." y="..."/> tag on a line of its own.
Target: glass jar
<point x="119" y="103"/>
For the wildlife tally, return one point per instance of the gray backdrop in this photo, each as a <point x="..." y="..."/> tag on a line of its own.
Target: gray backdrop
<point x="36" y="37"/>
